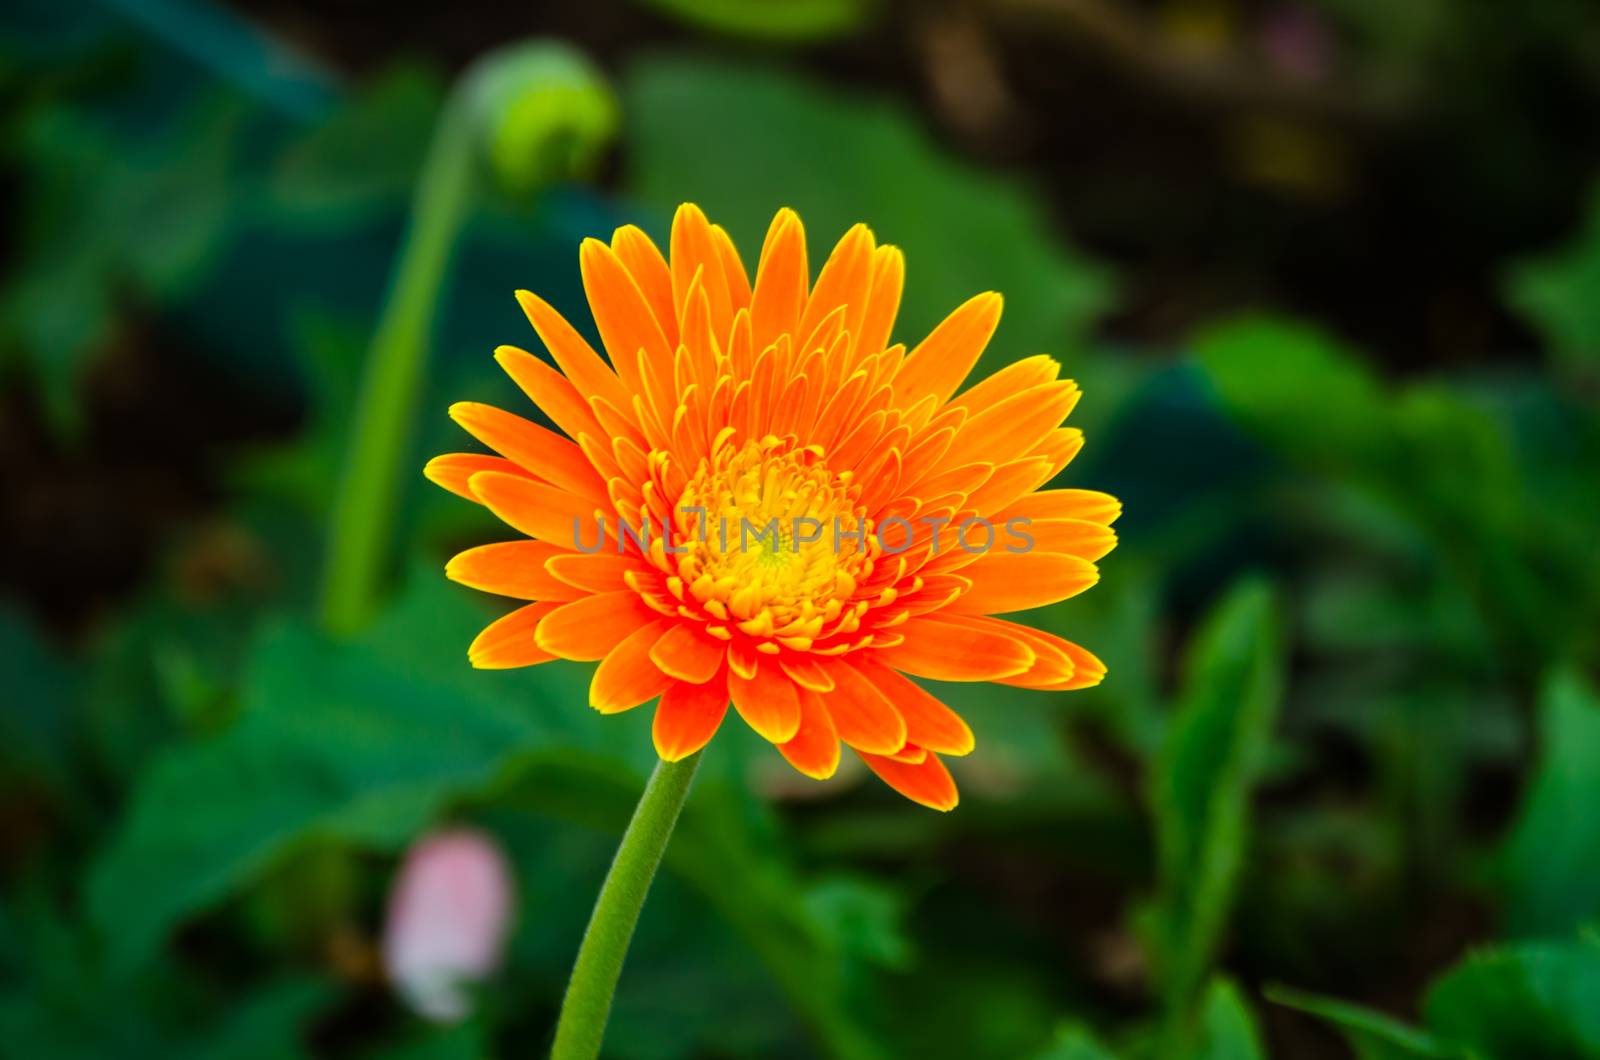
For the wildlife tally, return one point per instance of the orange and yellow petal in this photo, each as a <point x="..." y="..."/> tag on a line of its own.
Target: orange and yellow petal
<point x="864" y="717"/>
<point x="537" y="450"/>
<point x="587" y="629"/>
<point x="535" y="508"/>
<point x="454" y="471"/>
<point x="768" y="702"/>
<point x="936" y="366"/>
<point x="814" y="748"/>
<point x="1003" y="582"/>
<point x="511" y="640"/>
<point x="689" y="654"/>
<point x="688" y="716"/>
<point x="517" y="569"/>
<point x="954" y="648"/>
<point x="927" y="782"/>
<point x="626" y="677"/>
<point x="929" y="723"/>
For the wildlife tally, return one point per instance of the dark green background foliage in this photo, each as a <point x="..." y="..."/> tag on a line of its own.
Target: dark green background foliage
<point x="1329" y="274"/>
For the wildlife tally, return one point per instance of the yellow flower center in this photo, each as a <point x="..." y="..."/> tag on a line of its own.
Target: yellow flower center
<point x="773" y="541"/>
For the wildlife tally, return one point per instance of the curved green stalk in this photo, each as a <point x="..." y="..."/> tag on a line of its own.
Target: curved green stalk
<point x="584" y="1011"/>
<point x="380" y="429"/>
<point x="526" y="115"/>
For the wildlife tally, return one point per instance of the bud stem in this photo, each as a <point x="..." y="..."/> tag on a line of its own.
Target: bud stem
<point x="365" y="505"/>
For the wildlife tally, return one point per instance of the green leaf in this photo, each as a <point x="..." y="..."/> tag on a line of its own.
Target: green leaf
<point x="174" y="211"/>
<point x="267" y="1025"/>
<point x="305" y="470"/>
<point x="67" y="1004"/>
<point x="743" y="141"/>
<point x="463" y="1041"/>
<point x="1560" y="293"/>
<point x="779" y="20"/>
<point x="360" y="741"/>
<point x="1227" y="1027"/>
<point x="102" y="213"/>
<point x="1530" y="1001"/>
<point x="1201" y="785"/>
<point x="862" y="919"/>
<point x="37" y="713"/>
<point x="1073" y="1041"/>
<point x="364" y="158"/>
<point x="1550" y="866"/>
<point x="1371" y="1035"/>
<point x="1304" y="394"/>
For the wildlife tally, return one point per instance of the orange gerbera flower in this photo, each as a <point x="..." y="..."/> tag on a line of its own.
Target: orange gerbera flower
<point x="760" y="500"/>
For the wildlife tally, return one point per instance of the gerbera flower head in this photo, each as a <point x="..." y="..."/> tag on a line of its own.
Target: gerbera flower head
<point x="757" y="499"/>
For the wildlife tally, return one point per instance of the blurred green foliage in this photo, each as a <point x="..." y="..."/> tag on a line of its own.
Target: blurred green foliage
<point x="1200" y="794"/>
<point x="701" y="131"/>
<point x="1339" y="785"/>
<point x="1550" y="864"/>
<point x="1561" y="294"/>
<point x="776" y="20"/>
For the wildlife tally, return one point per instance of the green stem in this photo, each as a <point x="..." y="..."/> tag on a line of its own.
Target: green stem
<point x="582" y="1024"/>
<point x="366" y="503"/>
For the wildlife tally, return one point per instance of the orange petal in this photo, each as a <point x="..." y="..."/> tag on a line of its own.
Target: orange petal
<point x="511" y="640"/>
<point x="1059" y="447"/>
<point x="688" y="654"/>
<point x="1016" y="581"/>
<point x="694" y="251"/>
<point x="864" y="717"/>
<point x="550" y="390"/>
<point x="1013" y="379"/>
<point x="1052" y="666"/>
<point x="538" y="510"/>
<point x="1092" y="505"/>
<point x="781" y="281"/>
<point x="543" y="452"/>
<point x="576" y="358"/>
<point x="621" y="313"/>
<point x="842" y="283"/>
<point x="767" y="702"/>
<point x="511" y="568"/>
<point x="626" y="677"/>
<point x="1083" y="670"/>
<point x="1009" y="481"/>
<point x="1018" y="423"/>
<point x="643" y="260"/>
<point x="941" y="361"/>
<point x="1076" y="537"/>
<point x="587" y="629"/>
<point x="595" y="572"/>
<point x="1087" y="670"/>
<point x="688" y="717"/>
<point x="883" y="301"/>
<point x="814" y="750"/>
<point x="732" y="268"/>
<point x="454" y="471"/>
<point x="807" y="672"/>
<point x="927" y="782"/>
<point x="910" y="754"/>
<point x="929" y="723"/>
<point x="1090" y="670"/>
<point x="956" y="648"/>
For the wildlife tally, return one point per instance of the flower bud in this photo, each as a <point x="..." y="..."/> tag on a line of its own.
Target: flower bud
<point x="449" y="914"/>
<point x="546" y="112"/>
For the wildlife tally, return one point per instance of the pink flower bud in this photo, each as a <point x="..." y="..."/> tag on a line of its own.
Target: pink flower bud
<point x="449" y="914"/>
<point x="1300" y="43"/>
